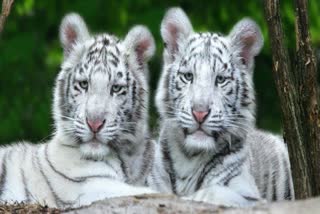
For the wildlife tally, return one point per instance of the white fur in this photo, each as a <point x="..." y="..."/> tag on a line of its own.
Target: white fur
<point x="31" y="159"/>
<point x="210" y="56"/>
<point x="73" y="23"/>
<point x="188" y="171"/>
<point x="175" y="29"/>
<point x="78" y="167"/>
<point x="140" y="36"/>
<point x="246" y="39"/>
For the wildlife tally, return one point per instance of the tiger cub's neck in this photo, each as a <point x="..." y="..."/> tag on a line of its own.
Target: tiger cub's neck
<point x="130" y="156"/>
<point x="187" y="168"/>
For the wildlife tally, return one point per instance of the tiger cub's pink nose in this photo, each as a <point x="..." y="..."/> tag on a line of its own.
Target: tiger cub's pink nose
<point x="200" y="116"/>
<point x="95" y="125"/>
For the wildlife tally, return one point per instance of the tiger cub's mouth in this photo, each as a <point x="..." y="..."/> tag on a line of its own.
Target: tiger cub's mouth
<point x="95" y="143"/>
<point x="200" y="134"/>
<point x="198" y="131"/>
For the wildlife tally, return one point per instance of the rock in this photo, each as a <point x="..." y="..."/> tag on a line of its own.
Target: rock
<point x="164" y="204"/>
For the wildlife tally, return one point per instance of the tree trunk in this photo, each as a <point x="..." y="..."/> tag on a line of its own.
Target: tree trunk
<point x="6" y="7"/>
<point x="297" y="90"/>
<point x="305" y="76"/>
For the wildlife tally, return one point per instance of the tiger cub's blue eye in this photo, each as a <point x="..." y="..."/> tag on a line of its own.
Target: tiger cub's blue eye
<point x="116" y="88"/>
<point x="220" y="79"/>
<point x="188" y="76"/>
<point x="84" y="84"/>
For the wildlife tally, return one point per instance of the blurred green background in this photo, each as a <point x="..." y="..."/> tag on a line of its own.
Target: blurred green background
<point x="30" y="53"/>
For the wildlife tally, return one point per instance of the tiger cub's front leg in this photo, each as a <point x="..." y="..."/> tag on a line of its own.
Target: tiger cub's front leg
<point x="99" y="189"/>
<point x="222" y="195"/>
<point x="241" y="191"/>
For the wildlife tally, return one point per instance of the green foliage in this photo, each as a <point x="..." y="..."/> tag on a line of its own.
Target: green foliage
<point x="30" y="53"/>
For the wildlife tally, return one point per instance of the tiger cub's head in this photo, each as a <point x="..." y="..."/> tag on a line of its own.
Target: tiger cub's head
<point x="206" y="86"/>
<point x="101" y="92"/>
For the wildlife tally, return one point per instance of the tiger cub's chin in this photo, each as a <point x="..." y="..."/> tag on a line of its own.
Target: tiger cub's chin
<point x="200" y="140"/>
<point x="94" y="150"/>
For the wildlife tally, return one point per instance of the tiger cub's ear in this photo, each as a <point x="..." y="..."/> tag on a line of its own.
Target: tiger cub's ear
<point x="175" y="29"/>
<point x="140" y="45"/>
<point x="246" y="41"/>
<point x="73" y="30"/>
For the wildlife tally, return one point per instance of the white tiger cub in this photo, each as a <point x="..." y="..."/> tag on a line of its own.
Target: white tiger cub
<point x="209" y="149"/>
<point x="100" y="113"/>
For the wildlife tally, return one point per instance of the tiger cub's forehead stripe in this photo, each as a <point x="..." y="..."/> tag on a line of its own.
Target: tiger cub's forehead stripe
<point x="206" y="46"/>
<point x="104" y="50"/>
<point x="199" y="39"/>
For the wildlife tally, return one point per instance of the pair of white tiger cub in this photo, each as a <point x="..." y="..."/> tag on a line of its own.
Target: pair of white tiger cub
<point x="208" y="147"/>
